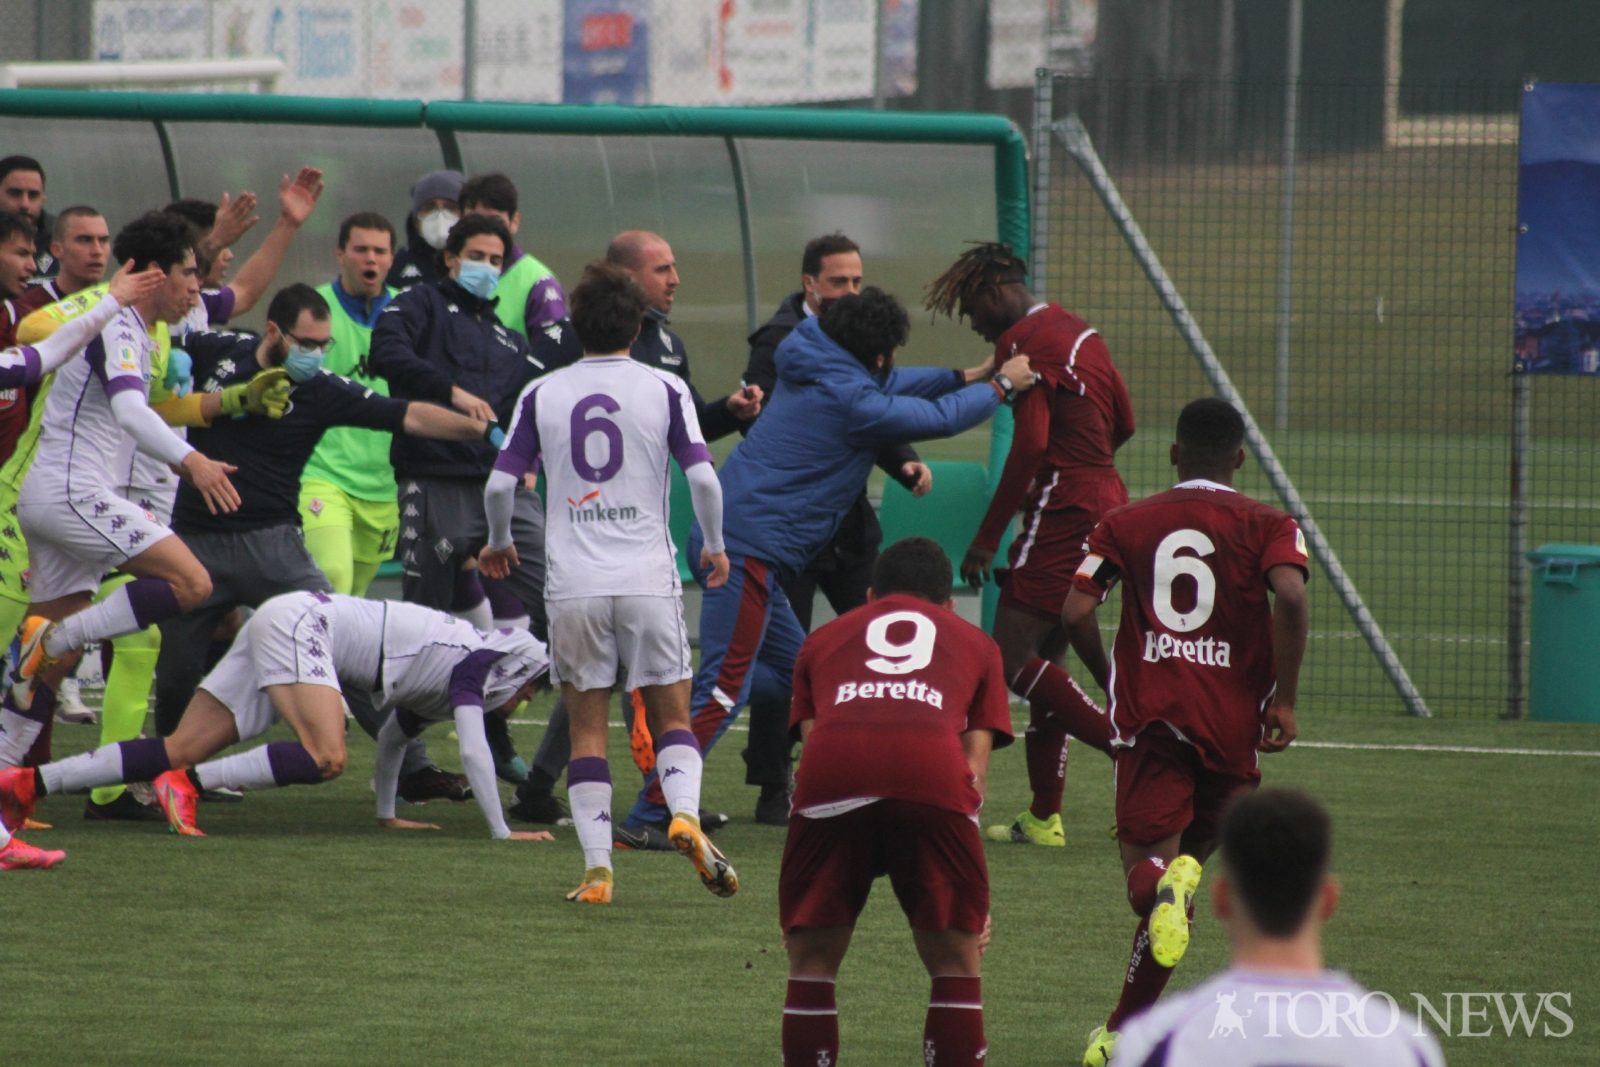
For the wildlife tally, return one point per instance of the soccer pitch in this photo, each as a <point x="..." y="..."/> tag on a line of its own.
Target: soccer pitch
<point x="298" y="933"/>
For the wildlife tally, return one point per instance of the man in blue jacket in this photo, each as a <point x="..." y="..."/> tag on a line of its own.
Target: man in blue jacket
<point x="787" y="486"/>
<point x="441" y="341"/>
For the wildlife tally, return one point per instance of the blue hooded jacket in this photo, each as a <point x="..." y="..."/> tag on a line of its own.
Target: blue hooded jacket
<point x="786" y="487"/>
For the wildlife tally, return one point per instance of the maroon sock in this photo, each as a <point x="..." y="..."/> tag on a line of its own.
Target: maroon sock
<point x="1045" y="743"/>
<point x="953" y="1034"/>
<point x="1142" y="879"/>
<point x="1144" y="981"/>
<point x="810" y="1024"/>
<point x="1051" y="693"/>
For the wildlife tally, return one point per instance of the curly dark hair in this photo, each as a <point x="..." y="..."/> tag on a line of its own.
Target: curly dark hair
<point x="986" y="265"/>
<point x="471" y="226"/>
<point x="156" y="237"/>
<point x="867" y="325"/>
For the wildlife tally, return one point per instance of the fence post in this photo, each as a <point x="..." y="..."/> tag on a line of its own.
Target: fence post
<point x="1291" y="128"/>
<point x="1078" y="143"/>
<point x="1517" y="548"/>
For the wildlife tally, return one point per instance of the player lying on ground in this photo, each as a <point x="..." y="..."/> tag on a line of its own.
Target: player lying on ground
<point x="612" y="591"/>
<point x="899" y="703"/>
<point x="289" y="663"/>
<point x="1207" y="668"/>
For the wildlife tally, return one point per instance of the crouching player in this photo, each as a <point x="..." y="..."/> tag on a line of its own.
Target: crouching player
<point x="1207" y="668"/>
<point x="899" y="703"/>
<point x="290" y="662"/>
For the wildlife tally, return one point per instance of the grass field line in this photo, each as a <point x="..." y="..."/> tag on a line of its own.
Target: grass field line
<point x="1435" y="501"/>
<point x="1353" y="746"/>
<point x="1453" y="749"/>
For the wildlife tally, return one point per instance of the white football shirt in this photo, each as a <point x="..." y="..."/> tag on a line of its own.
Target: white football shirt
<point x="1245" y="1018"/>
<point x="87" y="450"/>
<point x="605" y="430"/>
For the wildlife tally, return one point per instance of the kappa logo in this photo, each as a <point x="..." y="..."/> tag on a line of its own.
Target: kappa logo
<point x="118" y="522"/>
<point x="670" y="771"/>
<point x="1228" y="1021"/>
<point x="135" y="537"/>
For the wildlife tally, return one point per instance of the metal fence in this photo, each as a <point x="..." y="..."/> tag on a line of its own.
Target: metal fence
<point x="1352" y="271"/>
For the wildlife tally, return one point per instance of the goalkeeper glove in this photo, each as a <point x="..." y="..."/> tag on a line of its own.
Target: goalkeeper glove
<point x="251" y="396"/>
<point x="180" y="373"/>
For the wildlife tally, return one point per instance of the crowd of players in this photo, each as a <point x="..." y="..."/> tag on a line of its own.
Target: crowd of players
<point x="162" y="473"/>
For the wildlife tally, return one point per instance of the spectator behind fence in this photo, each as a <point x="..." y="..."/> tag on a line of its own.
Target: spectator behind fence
<point x="435" y="208"/>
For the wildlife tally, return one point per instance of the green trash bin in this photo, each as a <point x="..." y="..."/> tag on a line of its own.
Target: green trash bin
<point x="1566" y="633"/>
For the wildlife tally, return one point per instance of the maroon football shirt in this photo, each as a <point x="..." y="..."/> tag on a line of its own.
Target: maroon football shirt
<point x="892" y="686"/>
<point x="1194" y="648"/>
<point x="1067" y="430"/>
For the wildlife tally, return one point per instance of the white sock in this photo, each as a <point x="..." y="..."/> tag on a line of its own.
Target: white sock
<point x="89" y="770"/>
<point x="591" y="817"/>
<point x="17" y="736"/>
<point x="246" y="770"/>
<point x="480" y="616"/>
<point x="5" y="835"/>
<point x="679" y="767"/>
<point x="112" y="617"/>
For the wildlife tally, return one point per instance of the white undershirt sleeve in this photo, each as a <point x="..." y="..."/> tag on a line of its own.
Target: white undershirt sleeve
<point x="499" y="499"/>
<point x="705" y="492"/>
<point x="153" y="436"/>
<point x="478" y="764"/>
<point x="392" y="741"/>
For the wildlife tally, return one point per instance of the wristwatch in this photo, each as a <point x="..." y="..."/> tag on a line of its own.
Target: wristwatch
<point x="1008" y="391"/>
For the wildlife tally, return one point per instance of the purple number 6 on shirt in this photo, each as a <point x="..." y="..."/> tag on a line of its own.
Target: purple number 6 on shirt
<point x="584" y="425"/>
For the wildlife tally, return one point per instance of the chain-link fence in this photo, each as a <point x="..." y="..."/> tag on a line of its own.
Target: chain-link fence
<point x="1353" y="273"/>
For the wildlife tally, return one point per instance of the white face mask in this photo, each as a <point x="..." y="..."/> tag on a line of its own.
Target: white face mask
<point x="435" y="226"/>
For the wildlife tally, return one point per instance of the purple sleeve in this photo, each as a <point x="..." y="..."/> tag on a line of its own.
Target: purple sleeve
<point x="219" y="303"/>
<point x="688" y="449"/>
<point x="547" y="303"/>
<point x="520" y="453"/>
<point x="468" y="679"/>
<point x="19" y="367"/>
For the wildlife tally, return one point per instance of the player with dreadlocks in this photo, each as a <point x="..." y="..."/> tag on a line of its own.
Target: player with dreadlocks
<point x="1061" y="477"/>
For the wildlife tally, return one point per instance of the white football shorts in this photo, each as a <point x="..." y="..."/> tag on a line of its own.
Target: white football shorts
<point x="593" y="638"/>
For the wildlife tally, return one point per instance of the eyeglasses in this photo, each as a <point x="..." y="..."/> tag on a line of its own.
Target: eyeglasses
<point x="310" y="346"/>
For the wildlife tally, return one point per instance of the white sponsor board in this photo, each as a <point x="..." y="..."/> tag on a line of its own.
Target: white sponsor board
<point x="133" y="30"/>
<point x="518" y="52"/>
<point x="761" y="51"/>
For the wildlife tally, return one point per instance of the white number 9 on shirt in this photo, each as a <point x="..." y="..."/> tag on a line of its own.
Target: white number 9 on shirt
<point x="901" y="657"/>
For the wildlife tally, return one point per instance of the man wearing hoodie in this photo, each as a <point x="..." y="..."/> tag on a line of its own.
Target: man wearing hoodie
<point x="435" y="207"/>
<point x="787" y="486"/>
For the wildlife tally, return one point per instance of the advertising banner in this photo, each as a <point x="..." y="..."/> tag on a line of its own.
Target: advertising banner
<point x="1557" y="314"/>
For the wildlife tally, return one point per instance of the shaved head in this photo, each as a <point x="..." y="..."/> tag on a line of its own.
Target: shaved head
<point x="627" y="248"/>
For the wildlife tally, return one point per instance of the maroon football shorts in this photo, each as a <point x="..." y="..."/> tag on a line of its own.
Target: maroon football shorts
<point x="1164" y="789"/>
<point x="933" y="857"/>
<point x="1044" y="557"/>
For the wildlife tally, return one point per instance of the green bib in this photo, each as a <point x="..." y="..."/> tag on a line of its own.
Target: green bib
<point x="351" y="457"/>
<point x="513" y="289"/>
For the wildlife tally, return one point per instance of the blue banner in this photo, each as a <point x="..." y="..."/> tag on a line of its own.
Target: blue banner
<point x="1558" y="245"/>
<point x="607" y="54"/>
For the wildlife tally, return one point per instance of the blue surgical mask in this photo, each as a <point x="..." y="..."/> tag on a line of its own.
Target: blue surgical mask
<point x="302" y="363"/>
<point x="477" y="278"/>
